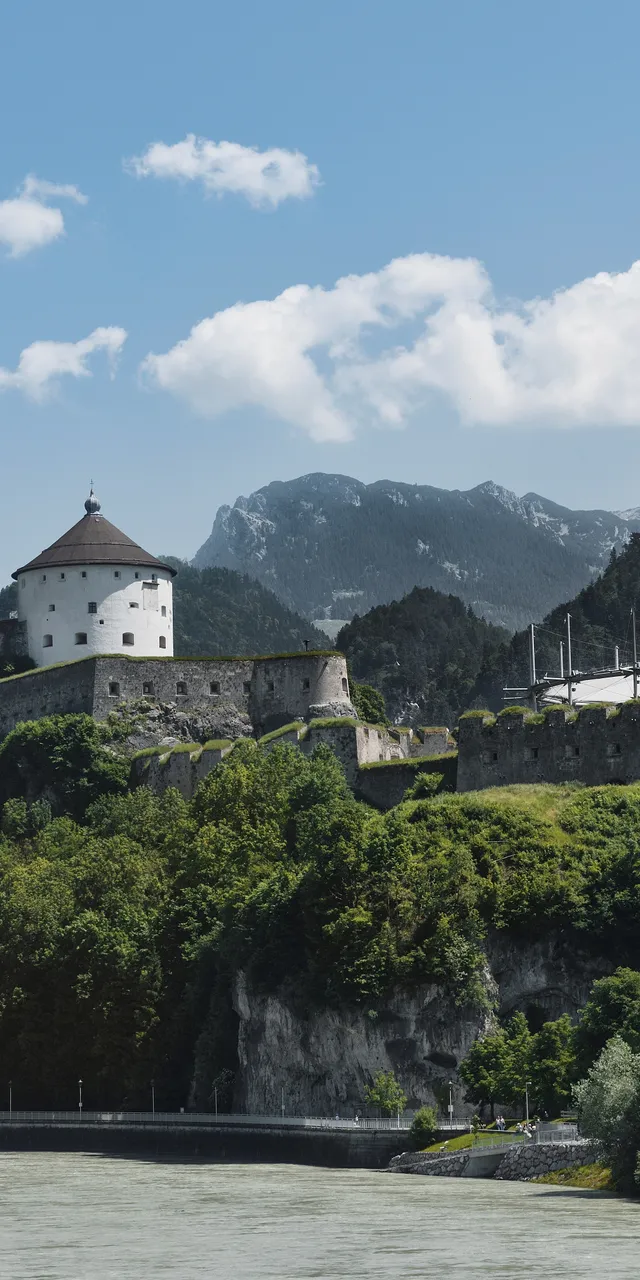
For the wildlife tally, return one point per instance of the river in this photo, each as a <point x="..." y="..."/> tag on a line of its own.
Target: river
<point x="92" y="1217"/>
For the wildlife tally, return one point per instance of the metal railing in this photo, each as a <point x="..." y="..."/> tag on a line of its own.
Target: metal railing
<point x="210" y="1120"/>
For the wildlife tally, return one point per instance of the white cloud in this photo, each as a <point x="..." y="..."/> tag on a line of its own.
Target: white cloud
<point x="264" y="177"/>
<point x="26" y="222"/>
<point x="312" y="356"/>
<point x="41" y="364"/>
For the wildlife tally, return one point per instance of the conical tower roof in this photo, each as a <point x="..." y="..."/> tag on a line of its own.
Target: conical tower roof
<point x="93" y="540"/>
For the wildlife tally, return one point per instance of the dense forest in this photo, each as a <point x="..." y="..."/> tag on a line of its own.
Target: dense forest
<point x="123" y="915"/>
<point x="424" y="653"/>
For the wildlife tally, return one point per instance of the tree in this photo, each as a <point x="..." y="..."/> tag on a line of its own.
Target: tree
<point x="424" y="1128"/>
<point x="484" y="1069"/>
<point x="63" y="760"/>
<point x="385" y="1094"/>
<point x="608" y="1101"/>
<point x="517" y="1065"/>
<point x="613" y="1008"/>
<point x="369" y="703"/>
<point x="552" y="1065"/>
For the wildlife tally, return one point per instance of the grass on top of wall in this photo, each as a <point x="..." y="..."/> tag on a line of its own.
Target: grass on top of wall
<point x="131" y="657"/>
<point x="217" y="744"/>
<point x="295" y="725"/>
<point x="416" y="763"/>
<point x="331" y="722"/>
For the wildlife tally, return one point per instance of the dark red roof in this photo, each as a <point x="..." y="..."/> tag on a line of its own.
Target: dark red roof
<point x="93" y="540"/>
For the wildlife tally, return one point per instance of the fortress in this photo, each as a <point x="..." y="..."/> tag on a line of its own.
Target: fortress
<point x="95" y="616"/>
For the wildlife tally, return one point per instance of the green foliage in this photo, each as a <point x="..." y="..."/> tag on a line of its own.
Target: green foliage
<point x="513" y="711"/>
<point x="500" y="1063"/>
<point x="385" y="1094"/>
<point x="613" y="1008"/>
<point x="608" y="1101"/>
<point x="425" y="650"/>
<point x="62" y="759"/>
<point x="423" y="1129"/>
<point x="298" y="725"/>
<point x="369" y="703"/>
<point x="219" y="612"/>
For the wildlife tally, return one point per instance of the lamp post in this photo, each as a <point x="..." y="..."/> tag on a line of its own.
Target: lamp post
<point x="10" y="1098"/>
<point x="451" y="1102"/>
<point x="80" y="1098"/>
<point x="153" y="1097"/>
<point x="526" y="1094"/>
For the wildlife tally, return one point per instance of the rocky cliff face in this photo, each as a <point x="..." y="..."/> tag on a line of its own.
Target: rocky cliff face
<point x="330" y="546"/>
<point x="320" y="1060"/>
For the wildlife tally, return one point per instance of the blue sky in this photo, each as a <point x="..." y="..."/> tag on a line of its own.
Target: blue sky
<point x="498" y="133"/>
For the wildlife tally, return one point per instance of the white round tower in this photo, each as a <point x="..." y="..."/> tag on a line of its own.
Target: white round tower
<point x="94" y="591"/>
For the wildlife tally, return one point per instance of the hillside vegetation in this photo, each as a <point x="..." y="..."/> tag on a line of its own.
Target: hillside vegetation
<point x="424" y="653"/>
<point x="123" y="917"/>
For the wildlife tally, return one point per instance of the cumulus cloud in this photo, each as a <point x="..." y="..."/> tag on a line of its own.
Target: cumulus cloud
<point x="27" y="222"/>
<point x="264" y="177"/>
<point x="41" y="364"/>
<point x="325" y="361"/>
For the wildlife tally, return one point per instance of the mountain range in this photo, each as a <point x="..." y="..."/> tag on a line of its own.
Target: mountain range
<point x="331" y="547"/>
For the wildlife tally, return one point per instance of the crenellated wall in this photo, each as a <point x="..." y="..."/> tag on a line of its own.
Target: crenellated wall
<point x="597" y="745"/>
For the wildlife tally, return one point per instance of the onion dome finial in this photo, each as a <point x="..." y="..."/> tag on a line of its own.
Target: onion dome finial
<point x="92" y="506"/>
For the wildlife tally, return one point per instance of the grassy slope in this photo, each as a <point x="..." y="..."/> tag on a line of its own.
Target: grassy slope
<point x="591" y="1177"/>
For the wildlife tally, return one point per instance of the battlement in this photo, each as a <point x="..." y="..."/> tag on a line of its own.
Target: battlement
<point x="598" y="744"/>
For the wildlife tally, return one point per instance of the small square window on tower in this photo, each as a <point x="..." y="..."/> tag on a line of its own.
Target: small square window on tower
<point x="270" y="686"/>
<point x="306" y="683"/>
<point x="127" y="637"/>
<point x="162" y="642"/>
<point x="92" y="606"/>
<point x="163" y="610"/>
<point x="214" y="686"/>
<point x="181" y="687"/>
<point x="47" y="642"/>
<point x="83" y="574"/>
<point x="62" y="577"/>
<point x="147" y="688"/>
<point x="52" y="608"/>
<point x="81" y="637"/>
<point x="116" y="573"/>
<point x="246" y="687"/>
<point x="114" y="689"/>
<point x="345" y="685"/>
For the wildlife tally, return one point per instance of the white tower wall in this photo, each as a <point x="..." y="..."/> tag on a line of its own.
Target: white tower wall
<point x="129" y="602"/>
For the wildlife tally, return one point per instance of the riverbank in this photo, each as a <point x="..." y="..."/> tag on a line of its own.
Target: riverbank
<point x="585" y="1177"/>
<point x="336" y="1148"/>
<point x="510" y="1164"/>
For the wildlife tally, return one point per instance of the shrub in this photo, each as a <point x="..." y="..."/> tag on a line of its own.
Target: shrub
<point x="424" y="1129"/>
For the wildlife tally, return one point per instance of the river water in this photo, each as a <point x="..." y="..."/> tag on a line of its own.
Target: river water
<point x="92" y="1217"/>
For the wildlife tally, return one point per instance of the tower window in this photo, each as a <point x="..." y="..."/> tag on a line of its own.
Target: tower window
<point x="247" y="686"/>
<point x="181" y="687"/>
<point x="43" y="578"/>
<point x="345" y="686"/>
<point x="162" y="642"/>
<point x="114" y="689"/>
<point x="92" y="607"/>
<point x="81" y="637"/>
<point x="214" y="687"/>
<point x="306" y="684"/>
<point x="163" y="610"/>
<point x="133" y="604"/>
<point x="270" y="686"/>
<point x="154" y="577"/>
<point x="62" y="577"/>
<point x="136" y="575"/>
<point x="148" y="688"/>
<point x="83" y="574"/>
<point x="127" y="637"/>
<point x="52" y="608"/>
<point x="102" y="622"/>
<point x="47" y="642"/>
<point x="116" y="573"/>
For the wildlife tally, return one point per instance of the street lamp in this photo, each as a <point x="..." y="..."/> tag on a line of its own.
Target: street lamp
<point x="451" y="1102"/>
<point x="153" y="1097"/>
<point x="526" y="1094"/>
<point x="80" y="1097"/>
<point x="10" y="1099"/>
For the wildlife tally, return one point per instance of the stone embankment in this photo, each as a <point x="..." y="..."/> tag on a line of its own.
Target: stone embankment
<point x="515" y="1164"/>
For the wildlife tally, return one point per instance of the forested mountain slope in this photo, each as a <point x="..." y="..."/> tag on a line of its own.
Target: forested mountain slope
<point x="330" y="546"/>
<point x="424" y="653"/>
<point x="600" y="619"/>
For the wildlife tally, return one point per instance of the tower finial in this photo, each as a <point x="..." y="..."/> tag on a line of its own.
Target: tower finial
<point x="92" y="506"/>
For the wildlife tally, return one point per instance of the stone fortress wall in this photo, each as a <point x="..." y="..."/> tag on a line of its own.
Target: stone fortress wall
<point x="272" y="691"/>
<point x="596" y="745"/>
